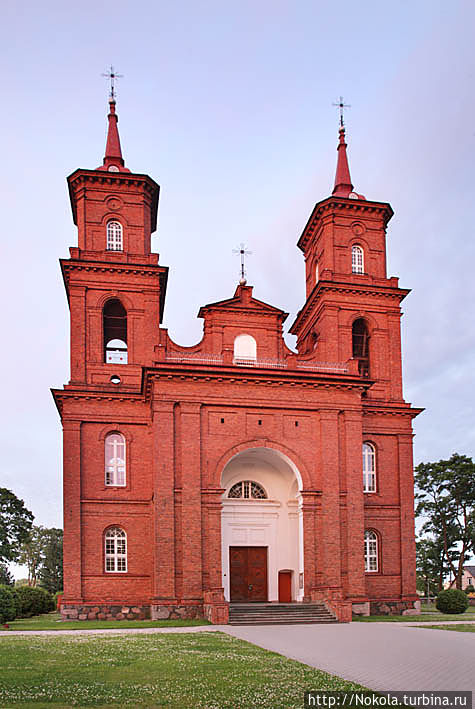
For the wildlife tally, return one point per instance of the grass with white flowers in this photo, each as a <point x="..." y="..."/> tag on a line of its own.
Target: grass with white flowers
<point x="196" y="670"/>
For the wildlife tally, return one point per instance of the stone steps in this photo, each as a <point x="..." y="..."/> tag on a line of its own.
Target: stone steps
<point x="279" y="613"/>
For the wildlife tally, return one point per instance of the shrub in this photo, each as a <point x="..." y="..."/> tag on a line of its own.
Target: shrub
<point x="34" y="601"/>
<point x="7" y="604"/>
<point x="452" y="601"/>
<point x="469" y="589"/>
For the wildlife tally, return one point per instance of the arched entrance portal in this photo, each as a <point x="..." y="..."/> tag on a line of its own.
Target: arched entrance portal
<point x="262" y="527"/>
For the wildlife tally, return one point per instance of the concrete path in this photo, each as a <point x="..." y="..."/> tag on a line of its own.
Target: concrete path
<point x="381" y="656"/>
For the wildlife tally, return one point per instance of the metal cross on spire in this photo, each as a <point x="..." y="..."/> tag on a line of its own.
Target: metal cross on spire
<point x="243" y="252"/>
<point x="341" y="105"/>
<point x="112" y="75"/>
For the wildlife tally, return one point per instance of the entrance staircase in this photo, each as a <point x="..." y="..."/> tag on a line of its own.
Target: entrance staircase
<point x="279" y="613"/>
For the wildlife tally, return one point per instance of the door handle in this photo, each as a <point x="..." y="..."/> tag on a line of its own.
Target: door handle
<point x="250" y="587"/>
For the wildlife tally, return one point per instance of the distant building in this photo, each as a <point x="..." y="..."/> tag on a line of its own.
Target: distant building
<point x="468" y="578"/>
<point x="235" y="469"/>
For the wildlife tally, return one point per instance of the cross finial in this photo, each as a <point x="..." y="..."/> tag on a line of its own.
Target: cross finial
<point x="112" y="75"/>
<point x="341" y="105"/>
<point x="243" y="252"/>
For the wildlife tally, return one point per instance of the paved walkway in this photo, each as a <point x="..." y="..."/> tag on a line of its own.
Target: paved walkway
<point x="381" y="656"/>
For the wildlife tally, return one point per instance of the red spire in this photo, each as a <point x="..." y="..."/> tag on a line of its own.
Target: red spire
<point x="113" y="161"/>
<point x="343" y="185"/>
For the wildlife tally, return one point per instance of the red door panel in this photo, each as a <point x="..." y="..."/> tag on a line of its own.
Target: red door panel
<point x="248" y="571"/>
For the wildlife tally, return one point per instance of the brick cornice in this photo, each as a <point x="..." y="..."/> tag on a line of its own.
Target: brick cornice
<point x="373" y="291"/>
<point x="340" y="205"/>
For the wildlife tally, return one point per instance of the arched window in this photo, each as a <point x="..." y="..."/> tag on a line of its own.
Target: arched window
<point x="360" y="339"/>
<point x="369" y="468"/>
<point x="116" y="549"/>
<point x="245" y="350"/>
<point x="114" y="236"/>
<point x="357" y="259"/>
<point x="114" y="453"/>
<point x="115" y="332"/>
<point x="370" y="551"/>
<point x="248" y="490"/>
<point x="316" y="273"/>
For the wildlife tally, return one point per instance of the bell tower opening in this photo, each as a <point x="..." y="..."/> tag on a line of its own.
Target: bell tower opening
<point x="115" y="332"/>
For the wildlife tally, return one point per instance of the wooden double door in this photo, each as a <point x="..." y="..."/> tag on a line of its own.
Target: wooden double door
<point x="248" y="572"/>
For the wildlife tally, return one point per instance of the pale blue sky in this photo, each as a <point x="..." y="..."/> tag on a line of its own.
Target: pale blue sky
<point x="229" y="107"/>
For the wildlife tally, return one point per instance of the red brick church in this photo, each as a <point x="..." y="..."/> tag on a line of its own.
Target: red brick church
<point x="235" y="470"/>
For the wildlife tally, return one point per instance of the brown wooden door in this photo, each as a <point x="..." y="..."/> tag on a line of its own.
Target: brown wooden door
<point x="248" y="570"/>
<point x="285" y="586"/>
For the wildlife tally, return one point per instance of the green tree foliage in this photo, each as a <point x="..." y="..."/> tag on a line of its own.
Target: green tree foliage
<point x="50" y="574"/>
<point x="15" y="525"/>
<point x="6" y="579"/>
<point x="7" y="604"/>
<point x="31" y="552"/>
<point x="430" y="566"/>
<point x="445" y="498"/>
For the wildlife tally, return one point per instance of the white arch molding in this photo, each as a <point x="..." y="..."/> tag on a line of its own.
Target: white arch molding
<point x="275" y="523"/>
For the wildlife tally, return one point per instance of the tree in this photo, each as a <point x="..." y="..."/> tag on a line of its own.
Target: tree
<point x="15" y="525"/>
<point x="50" y="574"/>
<point x="31" y="552"/>
<point x="6" y="579"/>
<point x="446" y="499"/>
<point x="431" y="567"/>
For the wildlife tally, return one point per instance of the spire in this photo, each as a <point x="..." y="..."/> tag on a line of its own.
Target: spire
<point x="343" y="186"/>
<point x="113" y="161"/>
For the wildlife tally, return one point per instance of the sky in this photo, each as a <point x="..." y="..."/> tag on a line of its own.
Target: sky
<point x="228" y="106"/>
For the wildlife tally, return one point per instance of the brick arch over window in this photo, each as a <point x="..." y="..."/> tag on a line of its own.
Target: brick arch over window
<point x="369" y="467"/>
<point x="114" y="318"/>
<point x="115" y="550"/>
<point x="115" y="467"/>
<point x="357" y="259"/>
<point x="114" y="236"/>
<point x="372" y="551"/>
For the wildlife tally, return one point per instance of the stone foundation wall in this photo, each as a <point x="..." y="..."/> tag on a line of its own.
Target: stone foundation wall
<point x="104" y="612"/>
<point x="174" y="612"/>
<point x="394" y="607"/>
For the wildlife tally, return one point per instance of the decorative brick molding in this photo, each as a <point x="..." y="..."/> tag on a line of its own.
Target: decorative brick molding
<point x="104" y="612"/>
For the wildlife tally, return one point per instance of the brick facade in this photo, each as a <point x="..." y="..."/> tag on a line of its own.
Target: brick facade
<point x="189" y="413"/>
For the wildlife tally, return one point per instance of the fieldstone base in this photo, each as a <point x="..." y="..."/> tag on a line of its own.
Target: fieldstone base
<point x="394" y="607"/>
<point x="104" y="612"/>
<point x="169" y="612"/>
<point x="360" y="608"/>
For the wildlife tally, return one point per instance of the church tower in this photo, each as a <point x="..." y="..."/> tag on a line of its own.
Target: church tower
<point x="352" y="309"/>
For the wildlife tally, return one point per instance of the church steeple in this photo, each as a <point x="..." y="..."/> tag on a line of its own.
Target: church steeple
<point x="113" y="160"/>
<point x="343" y="186"/>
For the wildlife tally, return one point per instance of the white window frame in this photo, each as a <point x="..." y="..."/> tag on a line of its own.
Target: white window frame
<point x="114" y="236"/>
<point x="369" y="467"/>
<point x="357" y="259"/>
<point x="115" y="551"/>
<point x="371" y="561"/>
<point x="245" y="350"/>
<point x="247" y="488"/>
<point x="115" y="460"/>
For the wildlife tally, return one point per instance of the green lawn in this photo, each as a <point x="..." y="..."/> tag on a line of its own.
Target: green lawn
<point x="435" y="615"/>
<point x="209" y="670"/>
<point x="52" y="621"/>
<point x="462" y="628"/>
